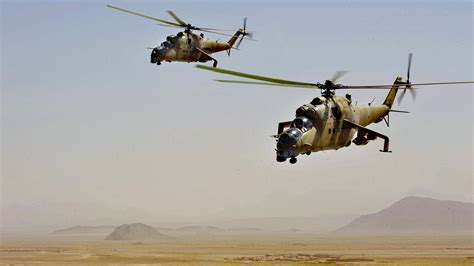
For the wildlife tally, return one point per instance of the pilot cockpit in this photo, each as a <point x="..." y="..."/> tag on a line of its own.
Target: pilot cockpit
<point x="171" y="38"/>
<point x="302" y="123"/>
<point x="170" y="42"/>
<point x="317" y="101"/>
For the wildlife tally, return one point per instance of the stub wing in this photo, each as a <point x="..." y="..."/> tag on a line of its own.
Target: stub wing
<point x="207" y="56"/>
<point x="369" y="134"/>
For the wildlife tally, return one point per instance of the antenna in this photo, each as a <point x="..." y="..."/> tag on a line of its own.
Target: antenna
<point x="372" y="101"/>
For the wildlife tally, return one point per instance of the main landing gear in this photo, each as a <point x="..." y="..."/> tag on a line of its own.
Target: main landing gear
<point x="293" y="160"/>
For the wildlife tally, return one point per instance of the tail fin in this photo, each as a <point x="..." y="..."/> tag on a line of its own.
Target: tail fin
<point x="393" y="92"/>
<point x="234" y="37"/>
<point x="241" y="32"/>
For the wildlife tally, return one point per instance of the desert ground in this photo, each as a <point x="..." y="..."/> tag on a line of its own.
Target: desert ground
<point x="238" y="248"/>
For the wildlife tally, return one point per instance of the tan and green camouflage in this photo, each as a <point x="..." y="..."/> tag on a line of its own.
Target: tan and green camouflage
<point x="329" y="122"/>
<point x="187" y="46"/>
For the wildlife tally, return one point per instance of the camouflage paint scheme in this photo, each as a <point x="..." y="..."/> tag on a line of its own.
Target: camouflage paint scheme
<point x="187" y="46"/>
<point x="191" y="47"/>
<point x="331" y="130"/>
<point x="329" y="122"/>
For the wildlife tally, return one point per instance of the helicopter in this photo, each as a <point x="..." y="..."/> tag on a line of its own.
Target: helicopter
<point x="329" y="122"/>
<point x="187" y="46"/>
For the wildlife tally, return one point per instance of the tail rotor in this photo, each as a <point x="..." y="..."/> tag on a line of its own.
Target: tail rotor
<point x="244" y="33"/>
<point x="408" y="83"/>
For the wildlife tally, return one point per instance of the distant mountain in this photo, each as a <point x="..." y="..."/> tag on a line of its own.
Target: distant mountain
<point x="136" y="231"/>
<point x="100" y="229"/>
<point x="415" y="215"/>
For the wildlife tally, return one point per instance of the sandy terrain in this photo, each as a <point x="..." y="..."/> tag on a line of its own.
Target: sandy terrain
<point x="235" y="249"/>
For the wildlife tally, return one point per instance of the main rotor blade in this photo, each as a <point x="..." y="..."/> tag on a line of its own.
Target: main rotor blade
<point x="374" y="87"/>
<point x="216" y="29"/>
<point x="214" y="32"/>
<point x="441" y="83"/>
<point x="180" y="21"/>
<point x="338" y="75"/>
<point x="265" y="83"/>
<point x="388" y="86"/>
<point x="200" y="29"/>
<point x="225" y="34"/>
<point x="145" y="16"/>
<point x="173" y="26"/>
<point x="256" y="77"/>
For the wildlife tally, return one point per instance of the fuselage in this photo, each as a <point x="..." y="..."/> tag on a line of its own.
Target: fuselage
<point x="187" y="47"/>
<point x="326" y="129"/>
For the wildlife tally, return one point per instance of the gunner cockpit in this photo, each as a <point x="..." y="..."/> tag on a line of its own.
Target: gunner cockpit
<point x="302" y="123"/>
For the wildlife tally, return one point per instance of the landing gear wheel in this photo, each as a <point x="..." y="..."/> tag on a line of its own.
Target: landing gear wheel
<point x="308" y="153"/>
<point x="158" y="62"/>
<point x="293" y="160"/>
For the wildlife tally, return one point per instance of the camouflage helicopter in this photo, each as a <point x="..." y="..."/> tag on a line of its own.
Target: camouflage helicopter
<point x="329" y="122"/>
<point x="187" y="46"/>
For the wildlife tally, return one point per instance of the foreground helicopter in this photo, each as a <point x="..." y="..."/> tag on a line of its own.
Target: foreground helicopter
<point x="329" y="122"/>
<point x="188" y="46"/>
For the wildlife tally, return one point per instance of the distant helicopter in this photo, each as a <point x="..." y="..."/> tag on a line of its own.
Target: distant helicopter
<point x="329" y="122"/>
<point x="188" y="46"/>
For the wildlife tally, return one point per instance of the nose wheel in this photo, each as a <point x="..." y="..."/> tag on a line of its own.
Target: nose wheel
<point x="293" y="160"/>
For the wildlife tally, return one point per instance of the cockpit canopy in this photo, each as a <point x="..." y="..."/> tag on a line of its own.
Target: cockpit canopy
<point x="171" y="38"/>
<point x="170" y="41"/>
<point x="290" y="137"/>
<point x="302" y="123"/>
<point x="166" y="44"/>
<point x="318" y="101"/>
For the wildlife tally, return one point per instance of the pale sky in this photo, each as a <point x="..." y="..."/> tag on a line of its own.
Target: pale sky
<point x="92" y="133"/>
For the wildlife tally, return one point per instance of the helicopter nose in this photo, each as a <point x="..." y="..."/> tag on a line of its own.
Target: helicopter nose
<point x="155" y="55"/>
<point x="283" y="154"/>
<point x="287" y="143"/>
<point x="289" y="137"/>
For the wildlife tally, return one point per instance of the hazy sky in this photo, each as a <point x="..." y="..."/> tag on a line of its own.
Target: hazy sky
<point x="93" y="133"/>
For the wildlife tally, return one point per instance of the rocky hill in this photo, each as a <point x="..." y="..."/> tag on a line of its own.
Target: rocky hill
<point x="415" y="215"/>
<point x="136" y="231"/>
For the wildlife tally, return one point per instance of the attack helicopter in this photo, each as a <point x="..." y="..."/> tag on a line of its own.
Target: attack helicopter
<point x="187" y="46"/>
<point x="329" y="122"/>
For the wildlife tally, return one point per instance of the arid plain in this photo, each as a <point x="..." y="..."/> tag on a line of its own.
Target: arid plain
<point x="233" y="248"/>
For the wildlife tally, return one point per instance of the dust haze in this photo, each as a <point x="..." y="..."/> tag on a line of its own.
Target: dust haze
<point x="94" y="137"/>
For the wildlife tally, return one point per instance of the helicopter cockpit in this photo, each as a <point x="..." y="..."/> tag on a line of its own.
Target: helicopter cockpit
<point x="166" y="44"/>
<point x="302" y="123"/>
<point x="289" y="138"/>
<point x="170" y="42"/>
<point x="162" y="49"/>
<point x="285" y="142"/>
<point x="171" y="38"/>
